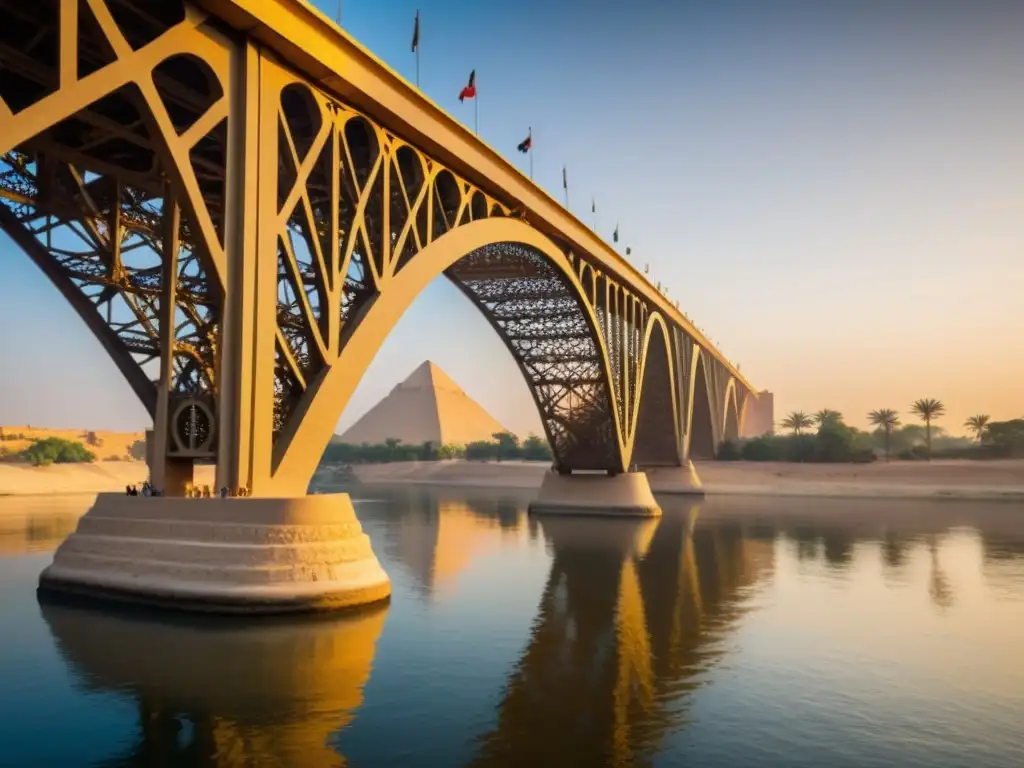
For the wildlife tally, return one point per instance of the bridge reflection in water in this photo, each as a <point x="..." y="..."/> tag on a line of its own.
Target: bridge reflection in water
<point x="224" y="692"/>
<point x="632" y="614"/>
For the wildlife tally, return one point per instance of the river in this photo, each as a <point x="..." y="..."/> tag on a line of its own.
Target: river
<point x="742" y="632"/>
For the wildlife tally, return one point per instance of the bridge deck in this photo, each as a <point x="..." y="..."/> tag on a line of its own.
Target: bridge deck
<point x="309" y="41"/>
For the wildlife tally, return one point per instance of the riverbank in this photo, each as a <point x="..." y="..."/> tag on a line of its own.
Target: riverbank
<point x="958" y="479"/>
<point x="64" y="479"/>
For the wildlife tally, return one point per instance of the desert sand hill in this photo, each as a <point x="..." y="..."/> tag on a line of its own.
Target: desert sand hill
<point x="107" y="445"/>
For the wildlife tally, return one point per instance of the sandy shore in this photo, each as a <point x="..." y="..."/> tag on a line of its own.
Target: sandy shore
<point x="1001" y="480"/>
<point x="98" y="477"/>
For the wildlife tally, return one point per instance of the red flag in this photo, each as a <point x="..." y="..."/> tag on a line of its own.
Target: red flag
<point x="526" y="144"/>
<point x="469" y="91"/>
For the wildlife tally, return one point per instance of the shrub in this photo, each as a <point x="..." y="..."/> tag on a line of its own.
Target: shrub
<point x="504" y="446"/>
<point x="729" y="451"/>
<point x="55" y="450"/>
<point x="764" y="448"/>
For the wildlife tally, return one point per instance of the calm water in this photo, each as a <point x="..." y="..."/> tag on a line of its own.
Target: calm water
<point x="739" y="633"/>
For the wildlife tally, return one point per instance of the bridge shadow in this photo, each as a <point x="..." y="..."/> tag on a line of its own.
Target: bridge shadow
<point x="630" y="621"/>
<point x="222" y="692"/>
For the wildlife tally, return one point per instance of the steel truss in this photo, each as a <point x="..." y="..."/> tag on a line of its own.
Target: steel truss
<point x="120" y="122"/>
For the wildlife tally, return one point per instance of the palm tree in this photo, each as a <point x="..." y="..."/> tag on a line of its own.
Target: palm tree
<point x="827" y="416"/>
<point x="887" y="419"/>
<point x="977" y="425"/>
<point x="797" y="421"/>
<point x="928" y="408"/>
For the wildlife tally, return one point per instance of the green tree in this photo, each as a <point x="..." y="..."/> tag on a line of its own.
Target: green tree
<point x="536" y="449"/>
<point x="392" y="443"/>
<point x="885" y="419"/>
<point x="451" y="451"/>
<point x="508" y="445"/>
<point x="137" y="450"/>
<point x="928" y="409"/>
<point x="481" y="450"/>
<point x="1007" y="438"/>
<point x="978" y="425"/>
<point x="827" y="416"/>
<point x="797" y="422"/>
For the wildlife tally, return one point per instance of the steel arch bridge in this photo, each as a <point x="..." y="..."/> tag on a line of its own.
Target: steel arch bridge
<point x="240" y="202"/>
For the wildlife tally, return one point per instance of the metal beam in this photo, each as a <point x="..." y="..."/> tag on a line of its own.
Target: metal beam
<point x="108" y="339"/>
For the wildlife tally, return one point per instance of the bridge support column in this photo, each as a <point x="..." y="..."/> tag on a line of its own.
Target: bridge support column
<point x="675" y="480"/>
<point x="222" y="555"/>
<point x="627" y="494"/>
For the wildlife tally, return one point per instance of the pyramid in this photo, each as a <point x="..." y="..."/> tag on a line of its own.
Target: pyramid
<point x="427" y="407"/>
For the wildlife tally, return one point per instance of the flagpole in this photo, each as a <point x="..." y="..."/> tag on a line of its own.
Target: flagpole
<point x="476" y="113"/>
<point x="339" y="13"/>
<point x="529" y="134"/>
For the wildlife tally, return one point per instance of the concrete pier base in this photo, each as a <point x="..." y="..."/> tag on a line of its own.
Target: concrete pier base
<point x="233" y="555"/>
<point x="675" y="480"/>
<point x="628" y="494"/>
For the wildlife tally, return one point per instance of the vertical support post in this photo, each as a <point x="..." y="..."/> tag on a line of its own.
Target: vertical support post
<point x="167" y="473"/>
<point x="236" y="379"/>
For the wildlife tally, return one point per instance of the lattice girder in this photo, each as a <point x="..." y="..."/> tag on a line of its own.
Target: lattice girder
<point x="235" y="234"/>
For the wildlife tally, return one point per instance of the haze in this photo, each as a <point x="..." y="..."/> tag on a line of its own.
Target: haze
<point x="836" y="194"/>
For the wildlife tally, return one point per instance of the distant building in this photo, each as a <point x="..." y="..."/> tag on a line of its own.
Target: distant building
<point x="427" y="407"/>
<point x="760" y="417"/>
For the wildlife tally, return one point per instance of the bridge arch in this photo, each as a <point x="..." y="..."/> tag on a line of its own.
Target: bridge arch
<point x="702" y="420"/>
<point x="653" y="437"/>
<point x="594" y="442"/>
<point x="731" y="417"/>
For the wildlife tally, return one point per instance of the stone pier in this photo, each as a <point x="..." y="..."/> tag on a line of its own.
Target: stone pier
<point x="223" y="555"/>
<point x="675" y="480"/>
<point x="627" y="494"/>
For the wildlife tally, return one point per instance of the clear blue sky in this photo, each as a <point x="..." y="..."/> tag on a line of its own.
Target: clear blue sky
<point x="834" y="190"/>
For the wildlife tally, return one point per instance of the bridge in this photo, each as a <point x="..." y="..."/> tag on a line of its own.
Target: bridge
<point x="240" y="202"/>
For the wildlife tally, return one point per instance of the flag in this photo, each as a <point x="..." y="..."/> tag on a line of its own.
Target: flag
<point x="565" y="180"/>
<point x="469" y="91"/>
<point x="526" y="144"/>
<point x="628" y="250"/>
<point x="615" y="234"/>
<point x="593" y="205"/>
<point x="416" y="33"/>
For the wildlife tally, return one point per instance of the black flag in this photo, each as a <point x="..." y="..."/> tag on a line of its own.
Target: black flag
<point x="565" y="180"/>
<point x="593" y="205"/>
<point x="416" y="33"/>
<point x="628" y="250"/>
<point x="615" y="234"/>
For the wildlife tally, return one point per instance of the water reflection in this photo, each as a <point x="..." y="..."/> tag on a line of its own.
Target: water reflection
<point x="223" y="692"/>
<point x="742" y="632"/>
<point x="38" y="523"/>
<point x="437" y="534"/>
<point x="632" y="614"/>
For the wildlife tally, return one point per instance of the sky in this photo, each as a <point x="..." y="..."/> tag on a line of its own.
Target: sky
<point x="834" y="191"/>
